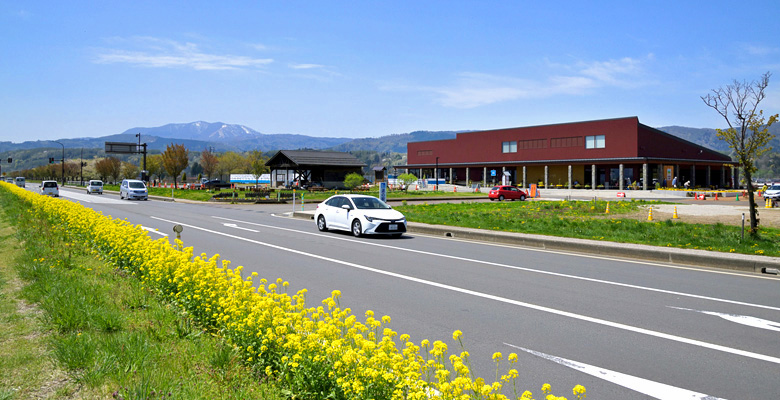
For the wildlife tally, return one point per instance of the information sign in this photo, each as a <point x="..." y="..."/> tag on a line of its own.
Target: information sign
<point x="383" y="191"/>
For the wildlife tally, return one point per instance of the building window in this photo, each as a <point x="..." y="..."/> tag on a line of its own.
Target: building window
<point x="574" y="141"/>
<point x="594" y="142"/>
<point x="509" y="147"/>
<point x="424" y="152"/>
<point x="533" y="144"/>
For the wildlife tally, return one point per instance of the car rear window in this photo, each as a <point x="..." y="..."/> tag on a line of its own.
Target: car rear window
<point x="495" y="188"/>
<point x="49" y="184"/>
<point x="96" y="183"/>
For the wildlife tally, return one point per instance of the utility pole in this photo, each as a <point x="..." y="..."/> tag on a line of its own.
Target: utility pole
<point x="144" y="172"/>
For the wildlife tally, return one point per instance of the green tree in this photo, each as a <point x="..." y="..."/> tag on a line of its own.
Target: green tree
<point x="109" y="168"/>
<point x="353" y="180"/>
<point x="175" y="160"/>
<point x="406" y="180"/>
<point x="129" y="170"/>
<point x="231" y="163"/>
<point x="748" y="133"/>
<point x="257" y="164"/>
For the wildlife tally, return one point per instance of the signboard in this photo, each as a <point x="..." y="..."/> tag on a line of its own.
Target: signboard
<point x="383" y="191"/>
<point x="122" y="148"/>
<point x="621" y="194"/>
<point x="492" y="172"/>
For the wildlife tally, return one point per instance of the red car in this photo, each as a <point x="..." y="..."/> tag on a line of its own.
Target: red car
<point x="506" y="192"/>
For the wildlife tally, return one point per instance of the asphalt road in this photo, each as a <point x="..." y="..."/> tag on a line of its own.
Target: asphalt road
<point x="623" y="329"/>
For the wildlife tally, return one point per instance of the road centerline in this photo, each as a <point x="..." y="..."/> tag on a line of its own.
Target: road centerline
<point x="598" y="321"/>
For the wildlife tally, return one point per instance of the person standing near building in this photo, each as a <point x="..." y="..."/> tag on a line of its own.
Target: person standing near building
<point x="674" y="182"/>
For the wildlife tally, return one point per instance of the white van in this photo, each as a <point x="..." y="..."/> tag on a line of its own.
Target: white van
<point x="20" y="181"/>
<point x="133" y="189"/>
<point x="95" y="186"/>
<point x="50" y="188"/>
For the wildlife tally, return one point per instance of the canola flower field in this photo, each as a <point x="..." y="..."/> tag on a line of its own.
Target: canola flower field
<point x="322" y="352"/>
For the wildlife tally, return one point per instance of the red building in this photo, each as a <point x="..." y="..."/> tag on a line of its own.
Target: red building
<point x="611" y="153"/>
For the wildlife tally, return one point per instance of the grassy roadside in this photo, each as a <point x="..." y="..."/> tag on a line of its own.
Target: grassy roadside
<point x="72" y="326"/>
<point x="587" y="220"/>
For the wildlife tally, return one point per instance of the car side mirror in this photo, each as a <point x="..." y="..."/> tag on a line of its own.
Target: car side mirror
<point x="346" y="207"/>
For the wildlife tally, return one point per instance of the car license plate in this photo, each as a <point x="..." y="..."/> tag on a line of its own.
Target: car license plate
<point x="392" y="227"/>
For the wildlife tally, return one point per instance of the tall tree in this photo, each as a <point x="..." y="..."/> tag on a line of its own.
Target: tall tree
<point x="231" y="163"/>
<point x="109" y="168"/>
<point x="209" y="161"/>
<point x="155" y="167"/>
<point x="748" y="134"/>
<point x="175" y="159"/>
<point x="130" y="170"/>
<point x="257" y="164"/>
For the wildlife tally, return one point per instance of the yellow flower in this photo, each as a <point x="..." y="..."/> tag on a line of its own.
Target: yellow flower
<point x="456" y="335"/>
<point x="546" y="388"/>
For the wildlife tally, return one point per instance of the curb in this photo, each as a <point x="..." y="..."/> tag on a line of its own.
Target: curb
<point x="698" y="258"/>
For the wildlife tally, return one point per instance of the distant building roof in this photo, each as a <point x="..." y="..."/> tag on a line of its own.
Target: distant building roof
<point x="299" y="158"/>
<point x="380" y="168"/>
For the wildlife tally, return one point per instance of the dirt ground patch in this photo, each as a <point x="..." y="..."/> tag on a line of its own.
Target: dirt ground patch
<point x="700" y="212"/>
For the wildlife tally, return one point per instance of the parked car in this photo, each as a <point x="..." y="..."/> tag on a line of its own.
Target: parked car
<point x="359" y="214"/>
<point x="133" y="189"/>
<point x="773" y="192"/>
<point x="506" y="192"/>
<point x="217" y="184"/>
<point x="50" y="188"/>
<point x="20" y="181"/>
<point x="95" y="186"/>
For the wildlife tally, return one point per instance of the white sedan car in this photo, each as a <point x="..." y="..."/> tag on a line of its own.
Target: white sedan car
<point x="359" y="214"/>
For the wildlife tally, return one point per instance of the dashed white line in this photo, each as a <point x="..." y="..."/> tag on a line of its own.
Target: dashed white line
<point x="740" y="319"/>
<point x="651" y="388"/>
<point x="153" y="230"/>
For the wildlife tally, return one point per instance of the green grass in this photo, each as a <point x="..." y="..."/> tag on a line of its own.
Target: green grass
<point x="98" y="333"/>
<point x="587" y="220"/>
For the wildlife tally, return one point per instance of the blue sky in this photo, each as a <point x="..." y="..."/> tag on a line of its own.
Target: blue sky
<point x="372" y="68"/>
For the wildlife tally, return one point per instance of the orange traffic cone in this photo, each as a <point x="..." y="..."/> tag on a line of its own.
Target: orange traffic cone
<point x="454" y="189"/>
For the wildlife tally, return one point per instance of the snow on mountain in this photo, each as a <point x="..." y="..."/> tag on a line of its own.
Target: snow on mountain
<point x="199" y="130"/>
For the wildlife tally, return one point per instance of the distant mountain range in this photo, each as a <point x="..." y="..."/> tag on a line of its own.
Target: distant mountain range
<point x="219" y="136"/>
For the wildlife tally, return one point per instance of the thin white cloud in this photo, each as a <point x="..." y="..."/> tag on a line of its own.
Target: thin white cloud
<point x="306" y="66"/>
<point x="162" y="53"/>
<point x="759" y="50"/>
<point x="472" y="90"/>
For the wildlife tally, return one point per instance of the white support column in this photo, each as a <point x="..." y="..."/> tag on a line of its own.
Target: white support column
<point x="645" y="177"/>
<point x="484" y="176"/>
<point x="621" y="185"/>
<point x="593" y="172"/>
<point x="546" y="176"/>
<point x="467" y="176"/>
<point x="525" y="184"/>
<point x="569" y="177"/>
<point x="452" y="179"/>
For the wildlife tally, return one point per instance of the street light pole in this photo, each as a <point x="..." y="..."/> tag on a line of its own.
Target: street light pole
<point x="62" y="161"/>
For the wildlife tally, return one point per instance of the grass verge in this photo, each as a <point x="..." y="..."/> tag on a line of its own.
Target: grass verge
<point x="586" y="220"/>
<point x="72" y="326"/>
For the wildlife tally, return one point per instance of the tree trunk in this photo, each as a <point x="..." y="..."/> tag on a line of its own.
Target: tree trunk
<point x="751" y="202"/>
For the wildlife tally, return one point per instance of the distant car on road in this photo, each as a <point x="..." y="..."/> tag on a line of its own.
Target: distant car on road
<point x="217" y="184"/>
<point x="359" y="214"/>
<point x="95" y="186"/>
<point x="133" y="189"/>
<point x="773" y="192"/>
<point x="506" y="192"/>
<point x="50" y="188"/>
<point x="20" y="181"/>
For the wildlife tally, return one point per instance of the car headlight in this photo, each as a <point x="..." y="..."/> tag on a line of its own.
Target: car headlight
<point x="369" y="219"/>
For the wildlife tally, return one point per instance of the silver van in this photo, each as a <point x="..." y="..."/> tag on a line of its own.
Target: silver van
<point x="20" y="181"/>
<point x="133" y="189"/>
<point x="95" y="186"/>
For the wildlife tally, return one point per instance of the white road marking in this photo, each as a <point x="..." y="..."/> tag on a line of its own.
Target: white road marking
<point x="92" y="198"/>
<point x="514" y="267"/>
<point x="651" y="388"/>
<point x="238" y="227"/>
<point x="740" y="319"/>
<point x="153" y="230"/>
<point x="617" y="325"/>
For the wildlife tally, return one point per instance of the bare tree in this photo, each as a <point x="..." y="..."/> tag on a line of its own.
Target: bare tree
<point x="175" y="159"/>
<point x="748" y="134"/>
<point x="257" y="164"/>
<point x="209" y="161"/>
<point x="108" y="168"/>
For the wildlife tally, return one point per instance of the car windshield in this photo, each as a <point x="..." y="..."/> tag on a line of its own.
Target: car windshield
<point x="369" y="203"/>
<point x="136" y="185"/>
<point x="775" y="187"/>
